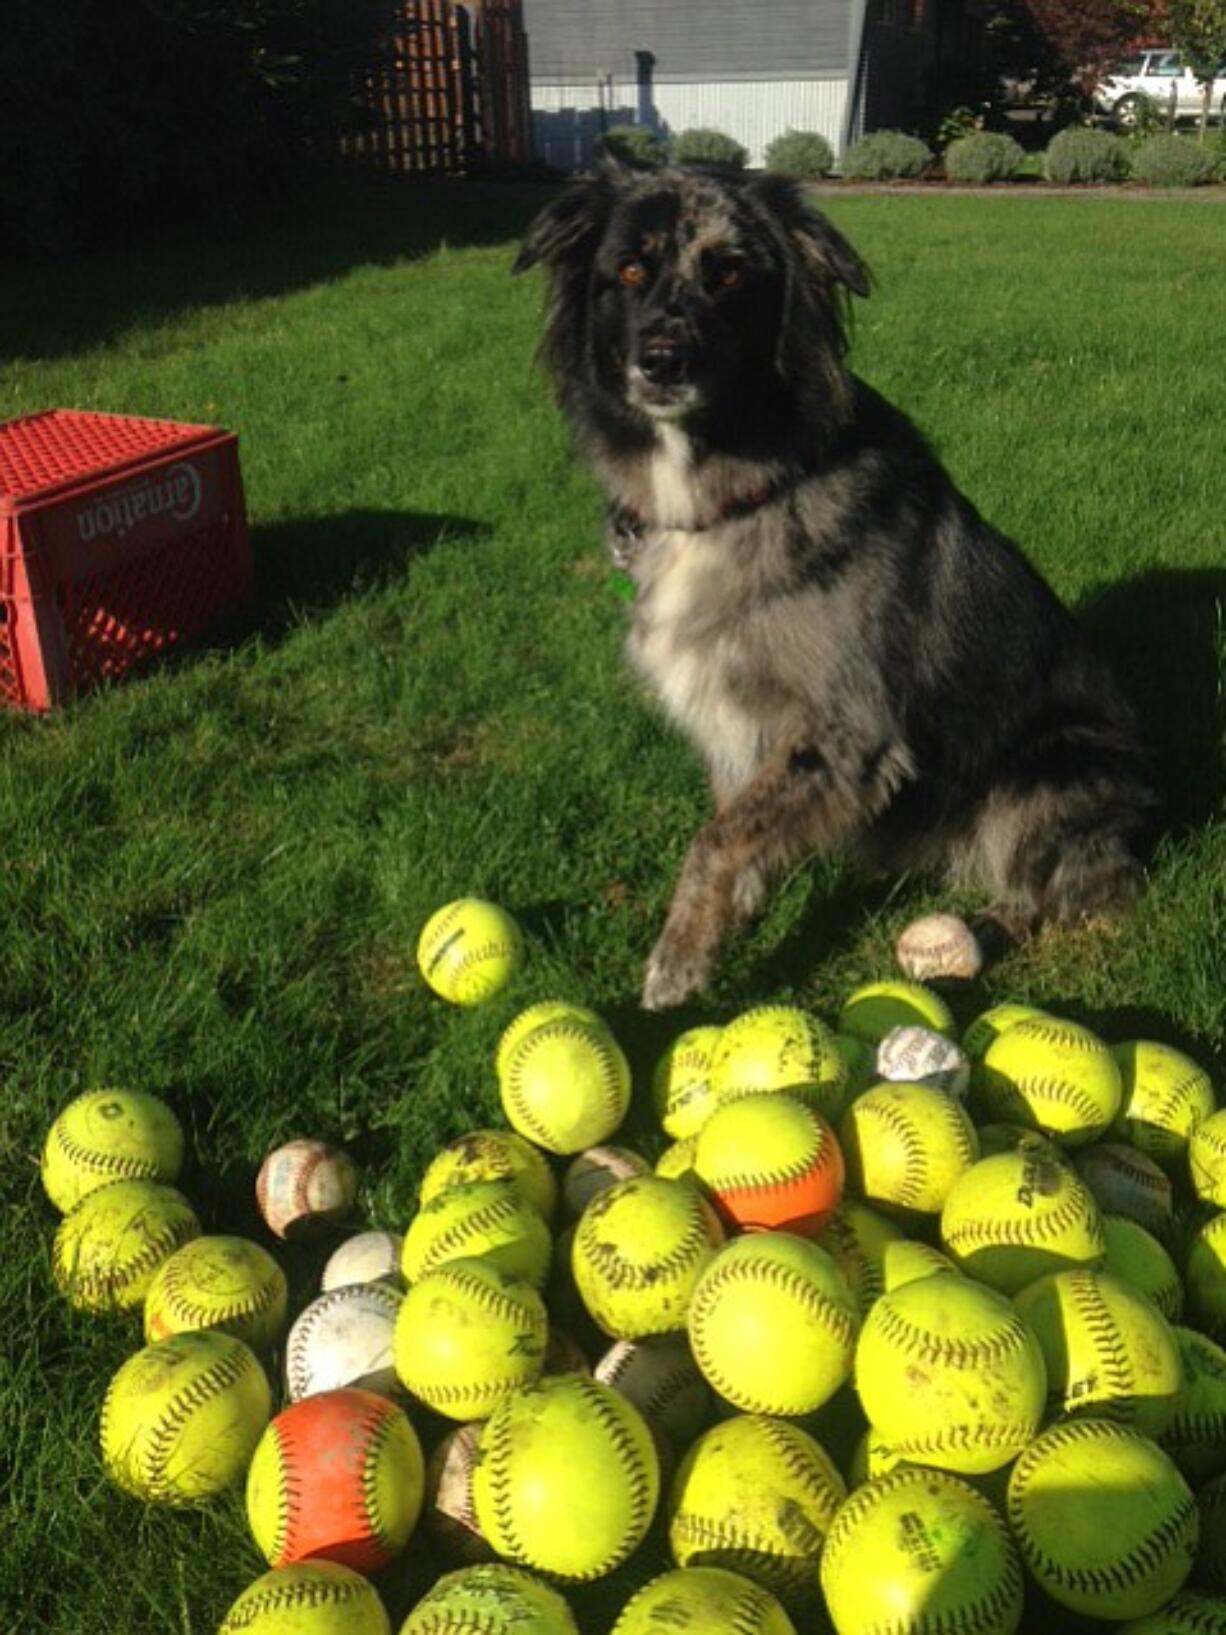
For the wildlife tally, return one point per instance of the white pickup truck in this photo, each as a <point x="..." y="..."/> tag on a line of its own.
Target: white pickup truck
<point x="1156" y="74"/>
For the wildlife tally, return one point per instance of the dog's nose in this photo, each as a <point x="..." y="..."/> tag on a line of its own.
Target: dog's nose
<point x="665" y="363"/>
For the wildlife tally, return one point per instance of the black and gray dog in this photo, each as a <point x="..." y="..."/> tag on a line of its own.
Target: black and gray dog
<point x="863" y="662"/>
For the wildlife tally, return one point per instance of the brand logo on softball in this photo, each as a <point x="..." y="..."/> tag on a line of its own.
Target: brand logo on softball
<point x="174" y="493"/>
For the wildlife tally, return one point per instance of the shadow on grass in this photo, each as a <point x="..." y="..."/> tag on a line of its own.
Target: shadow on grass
<point x="322" y="229"/>
<point x="311" y="564"/>
<point x="1164" y="634"/>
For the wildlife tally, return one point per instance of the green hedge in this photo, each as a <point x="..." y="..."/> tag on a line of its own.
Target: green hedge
<point x="887" y="156"/>
<point x="982" y="157"/>
<point x="1173" y="161"/>
<point x="804" y="154"/>
<point x="1080" y="156"/>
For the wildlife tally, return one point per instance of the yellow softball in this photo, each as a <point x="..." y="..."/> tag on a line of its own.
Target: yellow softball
<point x="857" y="1238"/>
<point x="1103" y="1519"/>
<point x="535" y="1016"/>
<point x="109" y="1135"/>
<point x="772" y="1324"/>
<point x="492" y="1155"/>
<point x="681" y="1083"/>
<point x="486" y="1220"/>
<point x="1207" y="1159"/>
<point x="756" y="1495"/>
<point x="703" y="1601"/>
<point x="878" y="1007"/>
<point x="1016" y="1216"/>
<point x="469" y="950"/>
<point x="950" y="1375"/>
<point x="108" y="1248"/>
<point x="1165" y="1096"/>
<point x="919" y="1552"/>
<point x="594" y="1171"/>
<point x="568" y="1478"/>
<point x="1210" y="1569"/>
<point x="181" y="1419"/>
<point x="905" y="1145"/>
<point x="779" y="1047"/>
<point x="1137" y="1258"/>
<point x="677" y="1160"/>
<point x="566" y="1085"/>
<point x="218" y="1282"/>
<point x="466" y="1336"/>
<point x="1108" y="1350"/>
<point x="1195" y="1437"/>
<point x="990" y="1024"/>
<point x="1188" y="1613"/>
<point x="1205" y="1277"/>
<point x="639" y="1249"/>
<point x="1052" y="1076"/>
<point x="493" y="1599"/>
<point x="312" y="1598"/>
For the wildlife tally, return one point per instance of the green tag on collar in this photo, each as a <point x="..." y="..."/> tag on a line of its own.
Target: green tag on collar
<point x="622" y="586"/>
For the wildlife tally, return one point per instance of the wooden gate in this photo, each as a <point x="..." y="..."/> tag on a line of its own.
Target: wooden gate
<point x="448" y="92"/>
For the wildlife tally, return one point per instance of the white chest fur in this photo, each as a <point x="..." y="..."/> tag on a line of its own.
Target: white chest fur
<point x="687" y="657"/>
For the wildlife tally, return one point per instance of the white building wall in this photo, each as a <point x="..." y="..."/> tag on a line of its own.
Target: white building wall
<point x="567" y="119"/>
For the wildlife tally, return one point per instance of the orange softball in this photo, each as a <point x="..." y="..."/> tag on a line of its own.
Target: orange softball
<point x="771" y="1163"/>
<point x="336" y="1477"/>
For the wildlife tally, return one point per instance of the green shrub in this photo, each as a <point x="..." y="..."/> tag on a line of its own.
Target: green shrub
<point x="1173" y="161"/>
<point x="1080" y="155"/>
<point x="803" y="154"/>
<point x="983" y="156"/>
<point x="1215" y="147"/>
<point x="885" y="156"/>
<point x="636" y="145"/>
<point x="701" y="146"/>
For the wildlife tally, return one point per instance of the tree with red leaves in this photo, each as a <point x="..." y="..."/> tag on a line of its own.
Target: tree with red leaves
<point x="1090" y="35"/>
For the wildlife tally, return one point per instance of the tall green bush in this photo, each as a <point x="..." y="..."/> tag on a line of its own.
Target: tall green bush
<point x="982" y="157"/>
<point x="634" y="145"/>
<point x="702" y="146"/>
<point x="886" y="156"/>
<point x="1173" y="161"/>
<point x="1082" y="156"/>
<point x="804" y="154"/>
<point x="119" y="115"/>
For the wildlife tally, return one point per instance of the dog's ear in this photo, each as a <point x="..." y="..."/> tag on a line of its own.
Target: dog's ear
<point x="569" y="226"/>
<point x="822" y="248"/>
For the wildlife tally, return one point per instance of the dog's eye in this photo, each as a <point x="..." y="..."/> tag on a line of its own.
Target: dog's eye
<point x="632" y="273"/>
<point x="729" y="276"/>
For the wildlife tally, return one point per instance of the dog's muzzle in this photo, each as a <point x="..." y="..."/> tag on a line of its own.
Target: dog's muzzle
<point x="660" y="378"/>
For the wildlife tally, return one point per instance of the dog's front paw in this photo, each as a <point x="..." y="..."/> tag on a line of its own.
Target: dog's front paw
<point x="673" y="975"/>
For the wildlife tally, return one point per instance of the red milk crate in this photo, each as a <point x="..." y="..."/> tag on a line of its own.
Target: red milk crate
<point x="119" y="538"/>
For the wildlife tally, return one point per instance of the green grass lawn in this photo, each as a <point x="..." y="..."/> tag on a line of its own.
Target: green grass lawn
<point x="213" y="878"/>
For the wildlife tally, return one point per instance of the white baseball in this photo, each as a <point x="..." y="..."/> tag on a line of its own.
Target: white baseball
<point x="594" y="1171"/>
<point x="917" y="1055"/>
<point x="365" y="1258"/>
<point x="449" y="1513"/>
<point x="1126" y="1181"/>
<point x="344" y="1338"/>
<point x="660" y="1377"/>
<point x="304" y="1185"/>
<point x="939" y="945"/>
